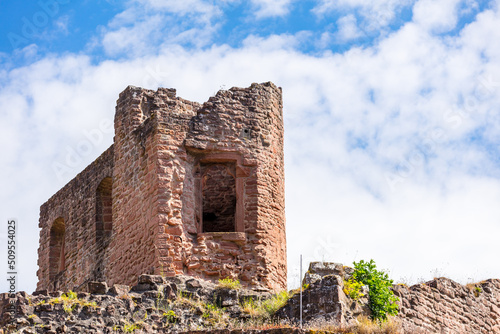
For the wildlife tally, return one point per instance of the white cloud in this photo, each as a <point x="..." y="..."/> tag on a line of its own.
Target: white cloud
<point x="276" y="42"/>
<point x="348" y="28"/>
<point x="437" y="16"/>
<point x="147" y="25"/>
<point x="376" y="14"/>
<point x="132" y="39"/>
<point x="271" y="8"/>
<point x="405" y="107"/>
<point x="185" y="7"/>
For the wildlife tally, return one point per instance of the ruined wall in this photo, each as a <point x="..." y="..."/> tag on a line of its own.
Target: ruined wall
<point x="172" y="244"/>
<point x="242" y="128"/>
<point x="149" y="129"/>
<point x="444" y="306"/>
<point x="195" y="189"/>
<point x="437" y="306"/>
<point x="69" y="252"/>
<point x="219" y="155"/>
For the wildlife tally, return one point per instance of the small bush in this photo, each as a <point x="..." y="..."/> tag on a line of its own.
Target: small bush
<point x="352" y="288"/>
<point x="170" y="316"/>
<point x="229" y="283"/>
<point x="382" y="299"/>
<point x="70" y="295"/>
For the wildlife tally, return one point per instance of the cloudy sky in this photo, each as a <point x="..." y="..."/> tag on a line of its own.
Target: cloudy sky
<point x="391" y="114"/>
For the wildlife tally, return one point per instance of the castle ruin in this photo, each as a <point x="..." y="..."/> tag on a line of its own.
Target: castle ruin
<point x="185" y="189"/>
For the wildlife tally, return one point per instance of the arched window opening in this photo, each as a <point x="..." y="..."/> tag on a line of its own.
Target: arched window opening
<point x="104" y="212"/>
<point x="56" y="248"/>
<point x="218" y="197"/>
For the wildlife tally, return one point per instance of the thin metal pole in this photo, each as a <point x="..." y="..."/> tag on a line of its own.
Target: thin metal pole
<point x="300" y="282"/>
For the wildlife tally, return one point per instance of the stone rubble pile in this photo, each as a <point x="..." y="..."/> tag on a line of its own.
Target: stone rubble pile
<point x="147" y="307"/>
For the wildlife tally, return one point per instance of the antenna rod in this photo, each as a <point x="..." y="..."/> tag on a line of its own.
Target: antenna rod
<point x="300" y="282"/>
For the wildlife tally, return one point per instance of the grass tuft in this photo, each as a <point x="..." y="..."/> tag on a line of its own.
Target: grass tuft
<point x="229" y="283"/>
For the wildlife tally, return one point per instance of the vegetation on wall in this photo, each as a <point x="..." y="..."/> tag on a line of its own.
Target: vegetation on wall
<point x="383" y="302"/>
<point x="352" y="288"/>
<point x="229" y="283"/>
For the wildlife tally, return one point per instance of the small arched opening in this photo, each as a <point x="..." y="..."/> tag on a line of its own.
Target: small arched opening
<point x="56" y="248"/>
<point x="103" y="225"/>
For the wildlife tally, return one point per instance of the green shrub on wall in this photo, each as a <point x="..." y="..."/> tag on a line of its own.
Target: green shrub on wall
<point x="383" y="302"/>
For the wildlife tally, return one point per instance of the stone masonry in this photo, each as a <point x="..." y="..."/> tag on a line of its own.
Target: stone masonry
<point x="438" y="306"/>
<point x="444" y="306"/>
<point x="185" y="189"/>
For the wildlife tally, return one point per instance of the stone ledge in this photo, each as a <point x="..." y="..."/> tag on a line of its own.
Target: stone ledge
<point x="226" y="236"/>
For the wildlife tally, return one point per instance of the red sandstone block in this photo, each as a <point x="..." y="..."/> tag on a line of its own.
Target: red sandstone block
<point x="174" y="230"/>
<point x="495" y="309"/>
<point x="211" y="273"/>
<point x="193" y="265"/>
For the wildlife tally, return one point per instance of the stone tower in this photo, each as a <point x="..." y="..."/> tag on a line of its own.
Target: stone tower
<point x="185" y="189"/>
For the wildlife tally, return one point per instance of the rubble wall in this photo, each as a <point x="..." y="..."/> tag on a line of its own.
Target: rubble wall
<point x="444" y="306"/>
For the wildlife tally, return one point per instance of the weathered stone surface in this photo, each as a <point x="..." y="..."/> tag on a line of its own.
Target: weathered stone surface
<point x="193" y="284"/>
<point x="186" y="189"/>
<point x="119" y="289"/>
<point x="226" y="297"/>
<point x="444" y="306"/>
<point x="325" y="300"/>
<point x="170" y="291"/>
<point x="438" y="306"/>
<point x="151" y="279"/>
<point x="98" y="287"/>
<point x="317" y="270"/>
<point x="150" y="311"/>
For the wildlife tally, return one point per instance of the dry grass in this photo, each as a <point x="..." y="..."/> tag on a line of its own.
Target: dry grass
<point x="257" y="324"/>
<point x="265" y="309"/>
<point x="364" y="326"/>
<point x="253" y="309"/>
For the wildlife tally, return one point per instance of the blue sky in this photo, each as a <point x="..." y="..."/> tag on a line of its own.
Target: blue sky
<point x="61" y="26"/>
<point x="391" y="114"/>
